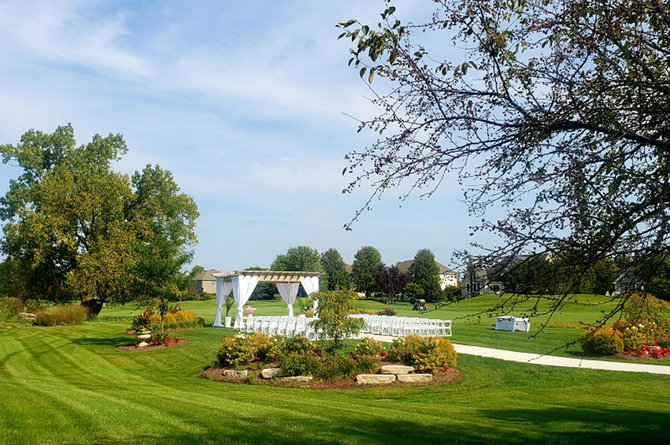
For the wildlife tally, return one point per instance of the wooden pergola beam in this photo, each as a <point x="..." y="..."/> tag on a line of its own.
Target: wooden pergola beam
<point x="268" y="276"/>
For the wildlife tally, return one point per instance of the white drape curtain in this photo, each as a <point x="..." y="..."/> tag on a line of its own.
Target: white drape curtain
<point x="243" y="286"/>
<point x="311" y="285"/>
<point x="222" y="291"/>
<point x="288" y="292"/>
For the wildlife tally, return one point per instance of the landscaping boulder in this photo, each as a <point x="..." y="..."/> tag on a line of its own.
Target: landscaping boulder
<point x="270" y="373"/>
<point x="235" y="374"/>
<point x="415" y="378"/>
<point x="375" y="379"/>
<point x="397" y="369"/>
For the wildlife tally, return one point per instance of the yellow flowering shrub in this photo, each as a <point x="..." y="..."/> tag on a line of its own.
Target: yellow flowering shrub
<point x="606" y="341"/>
<point x="426" y="354"/>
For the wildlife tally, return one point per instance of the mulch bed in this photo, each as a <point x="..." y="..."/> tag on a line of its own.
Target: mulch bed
<point x="132" y="348"/>
<point x="451" y="376"/>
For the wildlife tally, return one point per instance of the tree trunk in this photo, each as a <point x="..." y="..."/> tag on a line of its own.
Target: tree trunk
<point x="93" y="307"/>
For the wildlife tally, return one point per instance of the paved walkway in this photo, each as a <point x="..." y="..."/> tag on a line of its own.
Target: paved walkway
<point x="549" y="360"/>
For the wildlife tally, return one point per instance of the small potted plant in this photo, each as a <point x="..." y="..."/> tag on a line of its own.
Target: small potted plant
<point x="249" y="310"/>
<point x="229" y="304"/>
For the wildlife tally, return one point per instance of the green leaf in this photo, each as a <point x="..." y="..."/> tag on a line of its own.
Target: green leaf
<point x="363" y="71"/>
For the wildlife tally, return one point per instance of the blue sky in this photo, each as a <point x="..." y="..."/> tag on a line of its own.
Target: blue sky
<point x="244" y="102"/>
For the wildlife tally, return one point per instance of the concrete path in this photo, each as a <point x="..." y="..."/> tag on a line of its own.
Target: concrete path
<point x="549" y="360"/>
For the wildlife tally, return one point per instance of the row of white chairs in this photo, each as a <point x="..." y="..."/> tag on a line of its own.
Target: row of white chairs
<point x="402" y="326"/>
<point x="279" y="325"/>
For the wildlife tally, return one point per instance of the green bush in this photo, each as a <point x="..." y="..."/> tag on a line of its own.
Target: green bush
<point x="235" y="351"/>
<point x="426" y="354"/>
<point x="63" y="316"/>
<point x="262" y="344"/>
<point x="368" y="346"/>
<point x="336" y="366"/>
<point x="11" y="305"/>
<point x="606" y="341"/>
<point x="295" y="356"/>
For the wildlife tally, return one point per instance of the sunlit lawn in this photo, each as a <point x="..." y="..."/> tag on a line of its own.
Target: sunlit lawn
<point x="563" y="328"/>
<point x="68" y="385"/>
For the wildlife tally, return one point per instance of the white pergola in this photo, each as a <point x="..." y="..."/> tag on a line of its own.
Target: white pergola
<point x="243" y="283"/>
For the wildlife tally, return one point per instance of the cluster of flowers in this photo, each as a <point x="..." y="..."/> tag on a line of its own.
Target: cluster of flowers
<point x="158" y="340"/>
<point x="649" y="351"/>
<point x="388" y="312"/>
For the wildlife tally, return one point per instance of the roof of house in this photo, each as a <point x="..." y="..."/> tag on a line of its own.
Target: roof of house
<point x="207" y="275"/>
<point x="403" y="266"/>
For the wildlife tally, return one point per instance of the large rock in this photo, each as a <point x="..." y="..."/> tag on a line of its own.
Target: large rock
<point x="375" y="379"/>
<point x="415" y="378"/>
<point x="235" y="374"/>
<point x="270" y="373"/>
<point x="297" y="378"/>
<point x="397" y="369"/>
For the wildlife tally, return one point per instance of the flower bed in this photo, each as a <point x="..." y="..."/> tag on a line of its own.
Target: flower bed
<point x="175" y="319"/>
<point x="299" y="356"/>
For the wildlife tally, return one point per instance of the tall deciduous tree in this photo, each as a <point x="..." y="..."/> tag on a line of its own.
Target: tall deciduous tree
<point x="558" y="112"/>
<point x="165" y="222"/>
<point x="424" y="272"/>
<point x="364" y="269"/>
<point x="300" y="259"/>
<point x="335" y="270"/>
<point x="73" y="225"/>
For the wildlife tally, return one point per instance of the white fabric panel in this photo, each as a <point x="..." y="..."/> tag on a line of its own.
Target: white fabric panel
<point x="222" y="291"/>
<point x="311" y="285"/>
<point x="243" y="286"/>
<point x="288" y="292"/>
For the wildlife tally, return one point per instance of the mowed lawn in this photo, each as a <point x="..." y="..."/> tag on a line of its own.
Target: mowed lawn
<point x="70" y="385"/>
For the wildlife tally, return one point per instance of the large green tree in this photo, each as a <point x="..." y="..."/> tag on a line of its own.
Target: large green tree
<point x="364" y="269"/>
<point x="558" y="112"/>
<point x="73" y="227"/>
<point x="164" y="220"/>
<point x="424" y="272"/>
<point x="300" y="259"/>
<point x="335" y="270"/>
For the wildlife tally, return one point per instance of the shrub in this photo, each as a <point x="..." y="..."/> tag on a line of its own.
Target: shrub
<point x="34" y="306"/>
<point x="262" y="344"/>
<point x="63" y="316"/>
<point x="11" y="305"/>
<point x="368" y="346"/>
<point x="426" y="354"/>
<point x="606" y="341"/>
<point x="171" y="321"/>
<point x="296" y="356"/>
<point x="336" y="366"/>
<point x="235" y="351"/>
<point x="388" y="312"/>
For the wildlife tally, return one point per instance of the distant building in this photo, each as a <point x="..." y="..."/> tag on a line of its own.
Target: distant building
<point x="205" y="281"/>
<point x="490" y="279"/>
<point x="447" y="276"/>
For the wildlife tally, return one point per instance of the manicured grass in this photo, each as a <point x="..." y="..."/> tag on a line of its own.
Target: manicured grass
<point x="564" y="327"/>
<point x="69" y="385"/>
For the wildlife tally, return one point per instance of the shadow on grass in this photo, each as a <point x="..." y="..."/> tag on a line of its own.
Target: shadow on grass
<point x="514" y="426"/>
<point x="105" y="341"/>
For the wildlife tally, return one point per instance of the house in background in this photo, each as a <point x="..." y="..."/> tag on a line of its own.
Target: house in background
<point x="490" y="280"/>
<point x="205" y="281"/>
<point x="447" y="276"/>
